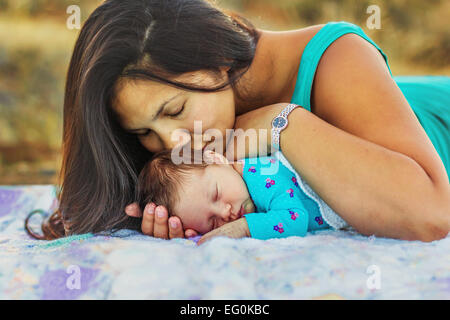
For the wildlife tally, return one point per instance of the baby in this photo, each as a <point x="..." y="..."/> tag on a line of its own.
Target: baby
<point x="236" y="199"/>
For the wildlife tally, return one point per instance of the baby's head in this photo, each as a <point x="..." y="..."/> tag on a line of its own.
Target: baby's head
<point x="203" y="195"/>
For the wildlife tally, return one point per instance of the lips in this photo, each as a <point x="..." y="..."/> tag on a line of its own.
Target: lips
<point x="241" y="212"/>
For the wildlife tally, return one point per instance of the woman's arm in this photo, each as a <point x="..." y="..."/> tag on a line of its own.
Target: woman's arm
<point x="376" y="190"/>
<point x="369" y="160"/>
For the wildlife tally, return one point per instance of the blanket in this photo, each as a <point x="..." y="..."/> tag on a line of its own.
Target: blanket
<point x="128" y="265"/>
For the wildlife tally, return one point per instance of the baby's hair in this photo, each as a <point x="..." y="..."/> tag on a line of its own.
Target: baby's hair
<point x="160" y="179"/>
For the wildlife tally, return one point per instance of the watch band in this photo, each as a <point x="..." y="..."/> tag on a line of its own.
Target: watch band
<point x="279" y="123"/>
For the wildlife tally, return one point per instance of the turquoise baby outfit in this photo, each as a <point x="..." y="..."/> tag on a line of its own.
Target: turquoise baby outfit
<point x="428" y="96"/>
<point x="283" y="209"/>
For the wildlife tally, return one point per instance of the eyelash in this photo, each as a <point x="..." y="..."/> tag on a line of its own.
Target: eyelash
<point x="178" y="113"/>
<point x="217" y="193"/>
<point x="147" y="132"/>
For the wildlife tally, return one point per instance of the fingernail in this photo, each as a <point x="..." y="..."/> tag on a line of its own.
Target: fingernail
<point x="160" y="212"/>
<point x="173" y="224"/>
<point x="150" y="209"/>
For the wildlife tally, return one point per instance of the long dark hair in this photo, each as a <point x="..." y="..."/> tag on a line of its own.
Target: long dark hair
<point x="145" y="39"/>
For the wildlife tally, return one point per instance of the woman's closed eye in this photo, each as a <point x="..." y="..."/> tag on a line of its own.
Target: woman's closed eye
<point x="174" y="115"/>
<point x="145" y="133"/>
<point x="179" y="112"/>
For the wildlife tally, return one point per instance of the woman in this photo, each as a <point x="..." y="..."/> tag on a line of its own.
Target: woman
<point x="142" y="69"/>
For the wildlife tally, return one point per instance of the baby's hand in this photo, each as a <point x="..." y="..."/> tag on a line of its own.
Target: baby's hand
<point x="235" y="229"/>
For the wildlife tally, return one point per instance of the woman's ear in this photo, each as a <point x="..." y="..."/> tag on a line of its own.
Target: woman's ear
<point x="213" y="157"/>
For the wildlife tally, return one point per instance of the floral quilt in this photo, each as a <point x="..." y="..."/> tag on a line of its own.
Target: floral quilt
<point x="128" y="265"/>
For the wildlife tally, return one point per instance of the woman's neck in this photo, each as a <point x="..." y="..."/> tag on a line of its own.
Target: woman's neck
<point x="272" y="74"/>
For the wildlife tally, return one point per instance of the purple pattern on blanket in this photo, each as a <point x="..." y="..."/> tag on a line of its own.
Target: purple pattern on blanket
<point x="195" y="239"/>
<point x="130" y="265"/>
<point x="8" y="199"/>
<point x="62" y="284"/>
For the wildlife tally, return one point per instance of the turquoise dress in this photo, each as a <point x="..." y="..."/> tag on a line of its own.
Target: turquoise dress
<point x="428" y="96"/>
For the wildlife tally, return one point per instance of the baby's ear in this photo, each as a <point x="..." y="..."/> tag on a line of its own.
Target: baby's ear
<point x="214" y="157"/>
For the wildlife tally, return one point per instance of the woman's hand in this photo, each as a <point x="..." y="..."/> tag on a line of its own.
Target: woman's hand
<point x="259" y="120"/>
<point x="234" y="229"/>
<point x="155" y="222"/>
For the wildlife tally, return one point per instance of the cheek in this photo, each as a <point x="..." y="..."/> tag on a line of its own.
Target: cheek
<point x="240" y="191"/>
<point x="216" y="111"/>
<point x="214" y="125"/>
<point x="196" y="221"/>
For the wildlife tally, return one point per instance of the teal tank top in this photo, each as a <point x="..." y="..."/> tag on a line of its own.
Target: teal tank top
<point x="428" y="96"/>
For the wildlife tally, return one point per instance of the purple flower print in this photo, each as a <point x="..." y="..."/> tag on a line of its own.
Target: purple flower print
<point x="272" y="160"/>
<point x="291" y="192"/>
<point x="252" y="169"/>
<point x="294" y="215"/>
<point x="294" y="180"/>
<point x="319" y="220"/>
<point x="269" y="182"/>
<point x="279" y="228"/>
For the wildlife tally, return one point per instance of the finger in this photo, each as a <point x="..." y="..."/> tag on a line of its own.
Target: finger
<point x="133" y="210"/>
<point x="189" y="233"/>
<point x="148" y="219"/>
<point x="160" y="228"/>
<point x="203" y="239"/>
<point x="175" y="228"/>
<point x="209" y="236"/>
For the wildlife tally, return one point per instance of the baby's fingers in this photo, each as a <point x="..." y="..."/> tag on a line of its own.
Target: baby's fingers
<point x="208" y="236"/>
<point x="205" y="238"/>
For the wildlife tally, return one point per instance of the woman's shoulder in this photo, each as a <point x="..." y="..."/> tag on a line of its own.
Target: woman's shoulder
<point x="348" y="58"/>
<point x="292" y="44"/>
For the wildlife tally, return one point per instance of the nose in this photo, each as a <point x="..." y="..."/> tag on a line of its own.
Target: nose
<point x="180" y="137"/>
<point x="175" y="138"/>
<point x="225" y="212"/>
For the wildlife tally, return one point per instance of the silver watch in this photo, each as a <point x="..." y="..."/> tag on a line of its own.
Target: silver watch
<point x="279" y="123"/>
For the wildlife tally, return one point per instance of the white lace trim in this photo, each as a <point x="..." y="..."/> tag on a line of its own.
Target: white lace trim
<point x="328" y="214"/>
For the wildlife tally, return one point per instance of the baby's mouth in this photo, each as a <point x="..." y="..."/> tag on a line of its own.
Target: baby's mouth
<point x="242" y="211"/>
<point x="246" y="207"/>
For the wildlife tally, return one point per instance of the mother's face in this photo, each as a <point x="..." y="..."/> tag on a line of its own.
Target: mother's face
<point x="138" y="104"/>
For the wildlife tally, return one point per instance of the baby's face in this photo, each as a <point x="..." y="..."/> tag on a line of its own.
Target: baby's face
<point x="213" y="196"/>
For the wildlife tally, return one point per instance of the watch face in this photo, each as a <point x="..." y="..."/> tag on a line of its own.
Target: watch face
<point x="279" y="122"/>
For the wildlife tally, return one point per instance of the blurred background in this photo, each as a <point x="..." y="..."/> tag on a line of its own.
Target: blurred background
<point x="36" y="45"/>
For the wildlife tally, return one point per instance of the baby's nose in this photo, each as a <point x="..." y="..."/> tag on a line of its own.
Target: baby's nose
<point x="226" y="213"/>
